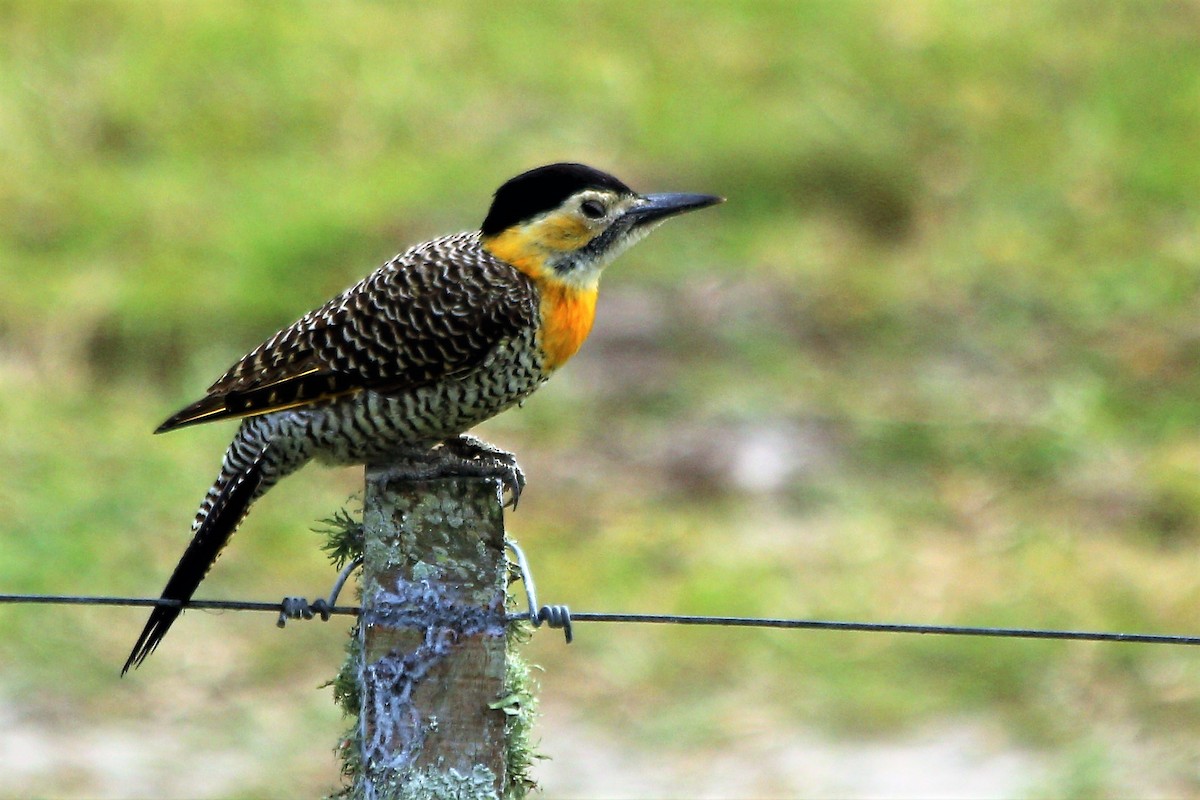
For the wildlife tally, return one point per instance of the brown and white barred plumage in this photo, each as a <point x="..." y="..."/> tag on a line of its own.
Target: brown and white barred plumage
<point x="437" y="340"/>
<point x="446" y="335"/>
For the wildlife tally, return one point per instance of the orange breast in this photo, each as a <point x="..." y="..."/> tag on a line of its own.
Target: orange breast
<point x="567" y="308"/>
<point x="567" y="315"/>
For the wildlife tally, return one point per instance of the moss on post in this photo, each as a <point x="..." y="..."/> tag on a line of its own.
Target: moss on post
<point x="430" y="680"/>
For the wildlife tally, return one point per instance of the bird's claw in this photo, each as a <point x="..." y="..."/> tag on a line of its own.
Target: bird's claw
<point x="462" y="456"/>
<point x="513" y="480"/>
<point x="473" y="455"/>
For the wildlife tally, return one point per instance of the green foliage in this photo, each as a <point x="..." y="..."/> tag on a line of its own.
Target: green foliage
<point x="346" y="694"/>
<point x="955" y="282"/>
<point x="344" y="543"/>
<point x="343" y="534"/>
<point x="519" y="704"/>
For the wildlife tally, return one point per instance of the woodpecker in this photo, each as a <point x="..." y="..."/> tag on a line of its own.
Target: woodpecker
<point x="398" y="367"/>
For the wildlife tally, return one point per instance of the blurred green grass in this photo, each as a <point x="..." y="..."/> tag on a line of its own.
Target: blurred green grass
<point x="960" y="257"/>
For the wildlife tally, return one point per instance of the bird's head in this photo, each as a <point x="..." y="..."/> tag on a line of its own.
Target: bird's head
<point x="566" y="222"/>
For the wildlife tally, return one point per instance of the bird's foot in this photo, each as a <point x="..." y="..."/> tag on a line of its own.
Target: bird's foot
<point x="464" y="456"/>
<point x="489" y="461"/>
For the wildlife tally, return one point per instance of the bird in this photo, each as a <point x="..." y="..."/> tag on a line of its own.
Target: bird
<point x="400" y="366"/>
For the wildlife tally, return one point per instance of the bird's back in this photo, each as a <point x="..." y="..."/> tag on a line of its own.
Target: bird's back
<point x="437" y="312"/>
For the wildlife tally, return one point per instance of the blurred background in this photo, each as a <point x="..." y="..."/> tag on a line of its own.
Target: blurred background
<point x="936" y="360"/>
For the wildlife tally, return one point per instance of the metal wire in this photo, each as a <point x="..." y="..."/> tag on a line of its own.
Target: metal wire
<point x="878" y="627"/>
<point x="561" y="616"/>
<point x="208" y="605"/>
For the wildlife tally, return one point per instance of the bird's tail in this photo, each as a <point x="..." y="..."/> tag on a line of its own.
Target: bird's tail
<point x="219" y="516"/>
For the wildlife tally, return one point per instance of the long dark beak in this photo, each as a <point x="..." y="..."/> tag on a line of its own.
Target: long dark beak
<point x="660" y="206"/>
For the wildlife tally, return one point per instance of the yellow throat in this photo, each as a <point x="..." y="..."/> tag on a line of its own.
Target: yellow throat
<point x="568" y="305"/>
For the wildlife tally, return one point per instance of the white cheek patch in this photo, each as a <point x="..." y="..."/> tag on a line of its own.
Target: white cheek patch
<point x="582" y="268"/>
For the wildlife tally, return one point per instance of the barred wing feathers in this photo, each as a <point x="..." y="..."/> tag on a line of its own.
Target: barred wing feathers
<point x="434" y="311"/>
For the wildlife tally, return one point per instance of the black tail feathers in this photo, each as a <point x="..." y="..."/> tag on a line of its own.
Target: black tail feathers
<point x="213" y="534"/>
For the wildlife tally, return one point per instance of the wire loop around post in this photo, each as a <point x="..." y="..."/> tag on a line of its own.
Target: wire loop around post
<point x="558" y="617"/>
<point x="300" y="608"/>
<point x="554" y="616"/>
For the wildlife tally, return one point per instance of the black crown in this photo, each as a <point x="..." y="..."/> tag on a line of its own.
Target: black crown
<point x="541" y="189"/>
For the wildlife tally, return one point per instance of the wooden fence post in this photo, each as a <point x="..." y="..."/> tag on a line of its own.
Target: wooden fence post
<point x="433" y="639"/>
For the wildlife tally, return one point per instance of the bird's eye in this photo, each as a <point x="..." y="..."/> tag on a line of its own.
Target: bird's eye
<point x="592" y="209"/>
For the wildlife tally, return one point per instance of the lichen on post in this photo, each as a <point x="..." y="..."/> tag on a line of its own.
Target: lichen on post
<point x="433" y="639"/>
